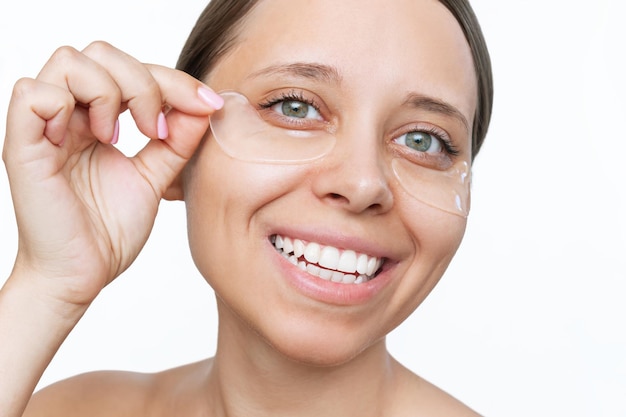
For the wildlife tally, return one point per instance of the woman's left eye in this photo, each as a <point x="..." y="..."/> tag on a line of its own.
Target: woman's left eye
<point x="421" y="142"/>
<point x="297" y="109"/>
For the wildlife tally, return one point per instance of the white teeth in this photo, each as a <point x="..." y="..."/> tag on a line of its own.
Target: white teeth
<point x="347" y="262"/>
<point x="325" y="274"/>
<point x="361" y="264"/>
<point x="372" y="266"/>
<point x="329" y="258"/>
<point x="313" y="269"/>
<point x="349" y="279"/>
<point x="312" y="253"/>
<point x="287" y="245"/>
<point x="328" y="263"/>
<point x="298" y="248"/>
<point x="337" y="276"/>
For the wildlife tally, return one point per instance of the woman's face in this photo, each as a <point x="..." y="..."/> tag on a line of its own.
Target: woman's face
<point x="353" y="65"/>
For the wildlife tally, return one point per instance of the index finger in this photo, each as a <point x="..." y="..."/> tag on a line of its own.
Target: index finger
<point x="148" y="88"/>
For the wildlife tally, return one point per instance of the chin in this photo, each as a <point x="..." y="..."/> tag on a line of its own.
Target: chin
<point x="321" y="345"/>
<point x="318" y="355"/>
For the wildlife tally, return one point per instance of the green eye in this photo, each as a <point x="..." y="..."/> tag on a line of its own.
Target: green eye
<point x="420" y="142"/>
<point x="295" y="109"/>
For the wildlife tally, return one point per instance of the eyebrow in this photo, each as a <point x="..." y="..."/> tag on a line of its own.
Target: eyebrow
<point x="435" y="105"/>
<point x="312" y="71"/>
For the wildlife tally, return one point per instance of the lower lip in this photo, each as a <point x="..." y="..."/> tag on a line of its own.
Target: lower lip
<point x="331" y="292"/>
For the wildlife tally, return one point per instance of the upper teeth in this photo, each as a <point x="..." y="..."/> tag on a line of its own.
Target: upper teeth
<point x="328" y="262"/>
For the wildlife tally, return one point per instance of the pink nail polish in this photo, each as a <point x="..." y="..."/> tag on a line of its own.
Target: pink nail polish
<point x="211" y="98"/>
<point x="162" y="129"/>
<point x="116" y="133"/>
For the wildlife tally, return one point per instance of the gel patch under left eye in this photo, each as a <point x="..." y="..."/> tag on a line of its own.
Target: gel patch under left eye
<point x="446" y="190"/>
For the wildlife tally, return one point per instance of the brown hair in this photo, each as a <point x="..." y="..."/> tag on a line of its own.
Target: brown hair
<point x="216" y="30"/>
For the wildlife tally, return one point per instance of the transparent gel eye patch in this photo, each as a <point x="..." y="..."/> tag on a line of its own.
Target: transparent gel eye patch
<point x="244" y="134"/>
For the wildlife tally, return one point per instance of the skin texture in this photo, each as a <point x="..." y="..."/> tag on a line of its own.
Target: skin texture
<point x="282" y="349"/>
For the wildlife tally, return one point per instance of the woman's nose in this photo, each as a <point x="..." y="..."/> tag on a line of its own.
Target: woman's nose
<point x="354" y="176"/>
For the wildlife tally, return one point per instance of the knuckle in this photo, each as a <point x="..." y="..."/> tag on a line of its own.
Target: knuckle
<point x="145" y="88"/>
<point x="147" y="83"/>
<point x="65" y="55"/>
<point x="45" y="100"/>
<point x="65" y="101"/>
<point x="23" y="87"/>
<point x="98" y="48"/>
<point x="152" y="87"/>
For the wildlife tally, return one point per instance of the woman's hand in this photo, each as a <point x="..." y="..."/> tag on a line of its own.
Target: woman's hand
<point x="85" y="210"/>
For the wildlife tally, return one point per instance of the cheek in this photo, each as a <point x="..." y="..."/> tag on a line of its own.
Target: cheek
<point x="244" y="184"/>
<point x="436" y="233"/>
<point x="223" y="197"/>
<point x="438" y="240"/>
<point x="436" y="236"/>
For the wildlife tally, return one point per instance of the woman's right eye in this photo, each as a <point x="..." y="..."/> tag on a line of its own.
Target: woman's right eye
<point x="296" y="109"/>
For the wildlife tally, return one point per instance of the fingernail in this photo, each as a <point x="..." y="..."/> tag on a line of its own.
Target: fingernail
<point x="211" y="98"/>
<point x="116" y="132"/>
<point x="162" y="130"/>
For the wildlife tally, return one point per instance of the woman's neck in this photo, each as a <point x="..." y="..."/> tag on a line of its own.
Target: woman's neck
<point x="250" y="377"/>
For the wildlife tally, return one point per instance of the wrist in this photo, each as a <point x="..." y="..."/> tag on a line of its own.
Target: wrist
<point x="37" y="296"/>
<point x="32" y="328"/>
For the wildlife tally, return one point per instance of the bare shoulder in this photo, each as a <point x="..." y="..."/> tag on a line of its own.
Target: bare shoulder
<point x="109" y="393"/>
<point x="421" y="398"/>
<point x="93" y="394"/>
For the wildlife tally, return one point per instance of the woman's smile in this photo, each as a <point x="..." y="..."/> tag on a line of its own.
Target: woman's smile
<point x="329" y="272"/>
<point x="328" y="262"/>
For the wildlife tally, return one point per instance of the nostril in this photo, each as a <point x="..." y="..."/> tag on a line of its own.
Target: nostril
<point x="376" y="208"/>
<point x="337" y="198"/>
<point x="340" y="199"/>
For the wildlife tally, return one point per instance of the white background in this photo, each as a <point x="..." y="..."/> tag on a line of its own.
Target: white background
<point x="530" y="318"/>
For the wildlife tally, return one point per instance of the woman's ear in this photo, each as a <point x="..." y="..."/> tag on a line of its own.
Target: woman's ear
<point x="175" y="191"/>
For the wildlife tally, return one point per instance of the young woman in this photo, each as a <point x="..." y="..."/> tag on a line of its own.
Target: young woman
<point x="324" y="203"/>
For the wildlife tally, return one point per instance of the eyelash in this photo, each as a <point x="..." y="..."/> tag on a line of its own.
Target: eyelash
<point x="294" y="95"/>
